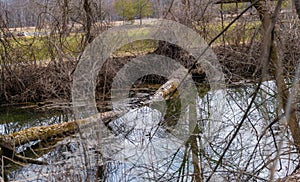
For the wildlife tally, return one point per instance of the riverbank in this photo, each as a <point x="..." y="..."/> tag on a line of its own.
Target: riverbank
<point x="39" y="83"/>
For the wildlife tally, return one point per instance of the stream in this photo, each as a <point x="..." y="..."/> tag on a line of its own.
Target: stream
<point x="140" y="148"/>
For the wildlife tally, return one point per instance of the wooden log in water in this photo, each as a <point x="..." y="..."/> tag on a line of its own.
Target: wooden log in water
<point x="68" y="128"/>
<point x="8" y="143"/>
<point x="55" y="130"/>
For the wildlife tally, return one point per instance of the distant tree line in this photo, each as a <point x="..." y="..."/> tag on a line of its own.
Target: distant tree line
<point x="25" y="13"/>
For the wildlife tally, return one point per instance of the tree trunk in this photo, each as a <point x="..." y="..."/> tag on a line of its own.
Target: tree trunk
<point x="297" y="6"/>
<point x="88" y="21"/>
<point x="282" y="88"/>
<point x="65" y="10"/>
<point x="8" y="143"/>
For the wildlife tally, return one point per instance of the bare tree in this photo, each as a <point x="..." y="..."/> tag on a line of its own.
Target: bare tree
<point x="258" y="53"/>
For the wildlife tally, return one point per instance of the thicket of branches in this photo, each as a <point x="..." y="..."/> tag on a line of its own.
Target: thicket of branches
<point x="39" y="66"/>
<point x="261" y="45"/>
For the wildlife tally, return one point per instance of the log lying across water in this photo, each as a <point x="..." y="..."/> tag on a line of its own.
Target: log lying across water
<point x="9" y="143"/>
<point x="56" y="130"/>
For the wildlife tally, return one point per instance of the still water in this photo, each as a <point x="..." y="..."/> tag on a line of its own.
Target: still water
<point x="138" y="147"/>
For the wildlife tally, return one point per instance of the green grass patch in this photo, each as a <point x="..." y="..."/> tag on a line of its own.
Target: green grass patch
<point x="42" y="48"/>
<point x="137" y="47"/>
<point x="239" y="32"/>
<point x="26" y="49"/>
<point x="233" y="7"/>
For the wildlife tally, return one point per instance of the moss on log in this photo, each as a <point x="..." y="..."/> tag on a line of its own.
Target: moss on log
<point x="8" y="143"/>
<point x="55" y="130"/>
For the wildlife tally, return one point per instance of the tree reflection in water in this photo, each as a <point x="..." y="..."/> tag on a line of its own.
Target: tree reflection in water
<point x="149" y="152"/>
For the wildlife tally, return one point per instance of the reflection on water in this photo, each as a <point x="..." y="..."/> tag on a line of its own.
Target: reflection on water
<point x="16" y="119"/>
<point x="139" y="148"/>
<point x="145" y="148"/>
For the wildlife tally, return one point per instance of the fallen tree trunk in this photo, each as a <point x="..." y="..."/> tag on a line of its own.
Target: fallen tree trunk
<point x="8" y="143"/>
<point x="61" y="129"/>
<point x="69" y="128"/>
